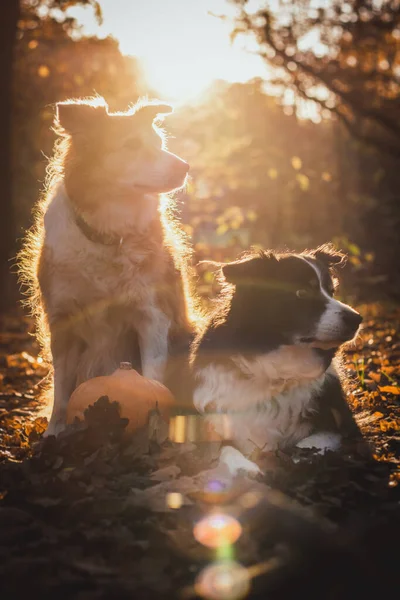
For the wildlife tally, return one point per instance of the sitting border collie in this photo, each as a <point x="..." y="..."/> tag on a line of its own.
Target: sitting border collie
<point x="265" y="355"/>
<point x="106" y="264"/>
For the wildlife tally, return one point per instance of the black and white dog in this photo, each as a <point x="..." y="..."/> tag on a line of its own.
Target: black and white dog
<point x="265" y="356"/>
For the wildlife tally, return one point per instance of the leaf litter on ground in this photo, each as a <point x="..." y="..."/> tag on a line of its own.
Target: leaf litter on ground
<point x="87" y="514"/>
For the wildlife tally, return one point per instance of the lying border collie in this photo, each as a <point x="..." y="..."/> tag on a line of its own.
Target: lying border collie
<point x="265" y="356"/>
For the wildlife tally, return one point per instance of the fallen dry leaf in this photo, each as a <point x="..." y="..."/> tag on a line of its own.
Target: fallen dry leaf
<point x="374" y="376"/>
<point x="96" y="515"/>
<point x="390" y="389"/>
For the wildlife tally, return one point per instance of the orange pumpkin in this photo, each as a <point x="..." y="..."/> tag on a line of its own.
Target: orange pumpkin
<point x="135" y="394"/>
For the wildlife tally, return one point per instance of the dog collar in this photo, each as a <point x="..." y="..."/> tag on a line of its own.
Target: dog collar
<point x="106" y="239"/>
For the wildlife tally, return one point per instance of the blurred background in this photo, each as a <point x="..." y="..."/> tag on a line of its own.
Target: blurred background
<point x="287" y="111"/>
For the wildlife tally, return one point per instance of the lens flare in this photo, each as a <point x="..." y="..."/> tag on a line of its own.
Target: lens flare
<point x="174" y="500"/>
<point x="250" y="499"/>
<point x="217" y="530"/>
<point x="197" y="428"/>
<point x="225" y="580"/>
<point x="215" y="486"/>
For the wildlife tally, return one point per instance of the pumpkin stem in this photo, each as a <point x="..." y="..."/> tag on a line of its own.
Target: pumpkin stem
<point x="125" y="366"/>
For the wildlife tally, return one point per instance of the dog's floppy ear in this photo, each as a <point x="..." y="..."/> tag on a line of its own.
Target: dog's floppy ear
<point x="235" y="271"/>
<point x="328" y="255"/>
<point x="248" y="268"/>
<point x="208" y="265"/>
<point x="75" y="118"/>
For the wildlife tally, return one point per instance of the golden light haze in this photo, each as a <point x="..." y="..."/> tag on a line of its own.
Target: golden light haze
<point x="182" y="46"/>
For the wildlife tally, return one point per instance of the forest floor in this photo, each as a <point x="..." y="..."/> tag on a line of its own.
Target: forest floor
<point x="93" y="514"/>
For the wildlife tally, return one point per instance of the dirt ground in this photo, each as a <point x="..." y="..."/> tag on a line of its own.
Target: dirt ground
<point x="94" y="513"/>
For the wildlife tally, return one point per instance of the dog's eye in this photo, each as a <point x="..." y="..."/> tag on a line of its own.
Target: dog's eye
<point x="302" y="293"/>
<point x="132" y="144"/>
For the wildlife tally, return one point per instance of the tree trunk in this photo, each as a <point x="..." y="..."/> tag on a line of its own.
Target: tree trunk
<point x="8" y="28"/>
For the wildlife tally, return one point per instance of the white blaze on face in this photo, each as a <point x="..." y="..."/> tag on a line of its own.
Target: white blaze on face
<point x="332" y="324"/>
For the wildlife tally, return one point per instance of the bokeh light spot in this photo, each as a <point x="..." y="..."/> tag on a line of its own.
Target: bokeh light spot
<point x="217" y="530"/>
<point x="43" y="71"/>
<point x="225" y="580"/>
<point x="174" y="500"/>
<point x="250" y="499"/>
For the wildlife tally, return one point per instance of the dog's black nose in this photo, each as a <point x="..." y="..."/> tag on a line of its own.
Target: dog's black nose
<point x="352" y="319"/>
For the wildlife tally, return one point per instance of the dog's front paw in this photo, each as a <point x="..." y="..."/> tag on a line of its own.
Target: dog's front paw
<point x="235" y="461"/>
<point x="322" y="441"/>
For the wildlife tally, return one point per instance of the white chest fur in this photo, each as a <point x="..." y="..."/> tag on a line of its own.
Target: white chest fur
<point x="86" y="272"/>
<point x="266" y="398"/>
<point x="84" y="280"/>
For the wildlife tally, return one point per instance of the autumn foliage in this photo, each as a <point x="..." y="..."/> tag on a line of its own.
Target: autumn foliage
<point x="259" y="174"/>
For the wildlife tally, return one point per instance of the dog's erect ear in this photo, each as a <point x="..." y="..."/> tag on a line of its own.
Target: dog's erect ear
<point x="154" y="111"/>
<point x="328" y="255"/>
<point x="75" y="118"/>
<point x="249" y="268"/>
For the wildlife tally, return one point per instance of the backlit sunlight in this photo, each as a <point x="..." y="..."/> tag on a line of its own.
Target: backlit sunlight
<point x="181" y="44"/>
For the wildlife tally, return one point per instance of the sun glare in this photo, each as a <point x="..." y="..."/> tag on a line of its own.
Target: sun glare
<point x="181" y="44"/>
